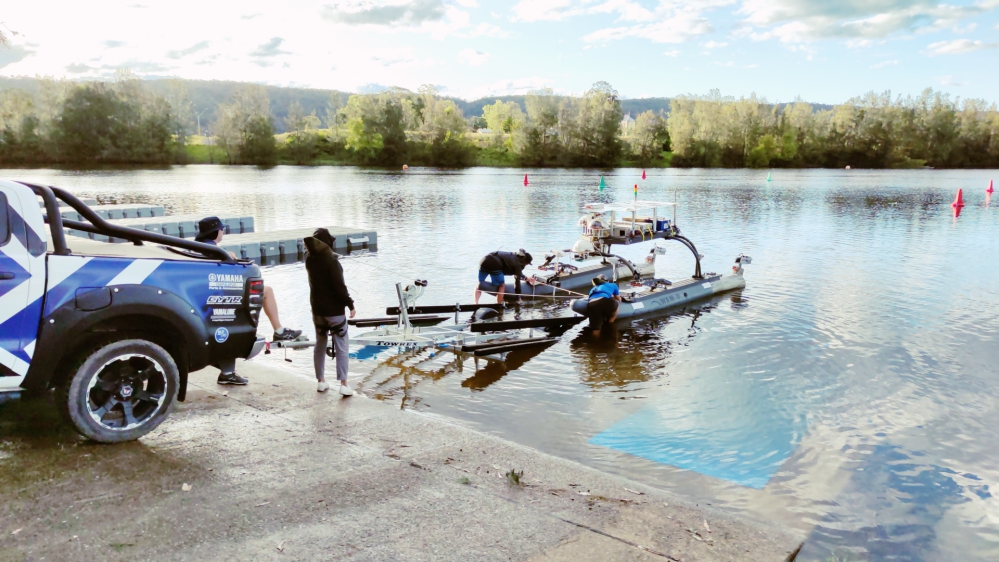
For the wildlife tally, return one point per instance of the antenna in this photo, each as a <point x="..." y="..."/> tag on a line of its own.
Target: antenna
<point x="674" y="207"/>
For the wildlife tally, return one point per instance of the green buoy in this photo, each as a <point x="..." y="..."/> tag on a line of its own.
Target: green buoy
<point x="768" y="176"/>
<point x="603" y="185"/>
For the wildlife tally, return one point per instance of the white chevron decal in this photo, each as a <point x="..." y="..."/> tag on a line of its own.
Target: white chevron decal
<point x="135" y="273"/>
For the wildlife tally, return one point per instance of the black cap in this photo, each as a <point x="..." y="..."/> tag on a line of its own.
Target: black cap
<point x="599" y="280"/>
<point x="525" y="257"/>
<point x="208" y="228"/>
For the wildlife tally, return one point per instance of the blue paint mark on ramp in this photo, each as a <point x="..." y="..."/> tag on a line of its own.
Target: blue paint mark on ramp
<point x="727" y="442"/>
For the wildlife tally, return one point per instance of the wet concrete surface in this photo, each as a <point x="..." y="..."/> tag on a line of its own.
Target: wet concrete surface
<point x="277" y="471"/>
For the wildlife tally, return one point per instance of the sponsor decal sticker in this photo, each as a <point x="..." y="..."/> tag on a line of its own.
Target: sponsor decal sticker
<point x="223" y="314"/>
<point x="225" y="299"/>
<point x="225" y="282"/>
<point x="221" y="335"/>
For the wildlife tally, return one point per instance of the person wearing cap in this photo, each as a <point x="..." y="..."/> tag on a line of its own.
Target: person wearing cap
<point x="495" y="267"/>
<point x="605" y="297"/>
<point x="329" y="298"/>
<point x="211" y="231"/>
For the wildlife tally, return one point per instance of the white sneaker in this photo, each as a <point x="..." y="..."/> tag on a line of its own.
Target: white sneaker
<point x="345" y="390"/>
<point x="323" y="387"/>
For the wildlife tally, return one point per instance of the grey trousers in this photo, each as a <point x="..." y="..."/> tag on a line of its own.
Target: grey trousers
<point x="340" y="344"/>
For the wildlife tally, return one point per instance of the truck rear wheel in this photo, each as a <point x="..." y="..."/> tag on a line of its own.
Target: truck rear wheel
<point x="120" y="391"/>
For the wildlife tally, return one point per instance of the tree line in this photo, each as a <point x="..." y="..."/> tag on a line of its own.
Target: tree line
<point x="125" y="121"/>
<point x="872" y="131"/>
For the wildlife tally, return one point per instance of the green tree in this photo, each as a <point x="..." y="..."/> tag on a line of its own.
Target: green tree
<point x="334" y="115"/>
<point x="375" y="130"/>
<point x="258" y="145"/>
<point x="650" y="138"/>
<point x="243" y="128"/>
<point x="112" y="124"/>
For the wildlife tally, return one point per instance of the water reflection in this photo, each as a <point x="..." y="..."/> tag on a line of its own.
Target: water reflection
<point x="635" y="350"/>
<point x="490" y="370"/>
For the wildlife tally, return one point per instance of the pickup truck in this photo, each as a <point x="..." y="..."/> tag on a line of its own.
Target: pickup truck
<point x="114" y="329"/>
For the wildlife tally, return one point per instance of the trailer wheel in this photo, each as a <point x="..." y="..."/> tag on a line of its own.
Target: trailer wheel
<point x="120" y="391"/>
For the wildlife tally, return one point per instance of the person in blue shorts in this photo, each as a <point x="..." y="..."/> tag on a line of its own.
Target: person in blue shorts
<point x="210" y="231"/>
<point x="495" y="267"/>
<point x="605" y="297"/>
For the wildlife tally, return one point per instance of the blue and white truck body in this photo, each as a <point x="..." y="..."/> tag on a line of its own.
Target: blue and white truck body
<point x="114" y="328"/>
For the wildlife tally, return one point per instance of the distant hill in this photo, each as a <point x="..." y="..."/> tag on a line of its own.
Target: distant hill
<point x="634" y="106"/>
<point x="206" y="95"/>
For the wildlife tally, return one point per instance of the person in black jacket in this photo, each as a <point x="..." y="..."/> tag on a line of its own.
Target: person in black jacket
<point x="329" y="297"/>
<point x="495" y="267"/>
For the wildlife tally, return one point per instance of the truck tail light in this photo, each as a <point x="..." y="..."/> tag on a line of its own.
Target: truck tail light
<point x="254" y="298"/>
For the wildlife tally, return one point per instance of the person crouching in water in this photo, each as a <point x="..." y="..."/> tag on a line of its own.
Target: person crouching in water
<point x="605" y="297"/>
<point x="329" y="297"/>
<point x="495" y="267"/>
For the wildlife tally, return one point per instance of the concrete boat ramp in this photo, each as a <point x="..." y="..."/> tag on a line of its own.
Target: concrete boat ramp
<point x="242" y="238"/>
<point x="276" y="471"/>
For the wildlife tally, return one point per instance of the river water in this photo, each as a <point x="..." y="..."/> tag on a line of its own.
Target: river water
<point x="849" y="391"/>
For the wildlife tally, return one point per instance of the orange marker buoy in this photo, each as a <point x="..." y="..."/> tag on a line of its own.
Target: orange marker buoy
<point x="959" y="200"/>
<point x="405" y="167"/>
<point x="643" y="174"/>
<point x="525" y="180"/>
<point x="990" y="190"/>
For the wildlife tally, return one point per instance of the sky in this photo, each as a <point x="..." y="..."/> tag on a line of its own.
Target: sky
<point x="823" y="51"/>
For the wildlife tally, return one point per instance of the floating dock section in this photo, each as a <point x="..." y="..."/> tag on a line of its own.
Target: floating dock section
<point x="111" y="212"/>
<point x="289" y="245"/>
<point x="181" y="226"/>
<point x="242" y="238"/>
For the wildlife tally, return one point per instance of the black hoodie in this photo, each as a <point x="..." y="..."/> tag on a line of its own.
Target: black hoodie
<point x="328" y="292"/>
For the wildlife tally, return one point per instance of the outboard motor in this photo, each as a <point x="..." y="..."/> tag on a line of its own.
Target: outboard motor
<point x="485" y="314"/>
<point x="739" y="262"/>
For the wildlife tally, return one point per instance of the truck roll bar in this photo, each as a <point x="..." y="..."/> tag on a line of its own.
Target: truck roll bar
<point x="98" y="225"/>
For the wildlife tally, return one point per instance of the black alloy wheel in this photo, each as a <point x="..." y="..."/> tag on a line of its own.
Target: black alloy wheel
<point x="126" y="391"/>
<point x="120" y="391"/>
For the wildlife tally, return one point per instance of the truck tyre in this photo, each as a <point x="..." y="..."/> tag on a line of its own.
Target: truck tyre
<point x="120" y="391"/>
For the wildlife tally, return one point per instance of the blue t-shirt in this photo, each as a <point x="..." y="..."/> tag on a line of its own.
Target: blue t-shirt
<point x="604" y="291"/>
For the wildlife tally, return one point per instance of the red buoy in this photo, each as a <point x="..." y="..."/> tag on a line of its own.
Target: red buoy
<point x="643" y="174"/>
<point x="990" y="191"/>
<point x="525" y="179"/>
<point x="959" y="200"/>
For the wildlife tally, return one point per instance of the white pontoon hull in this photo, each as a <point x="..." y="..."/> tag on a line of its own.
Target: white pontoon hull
<point x="678" y="294"/>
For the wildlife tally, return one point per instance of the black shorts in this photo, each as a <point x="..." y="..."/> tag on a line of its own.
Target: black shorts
<point x="599" y="311"/>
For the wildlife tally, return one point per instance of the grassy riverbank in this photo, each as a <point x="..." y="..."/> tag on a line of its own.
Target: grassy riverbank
<point x="480" y="157"/>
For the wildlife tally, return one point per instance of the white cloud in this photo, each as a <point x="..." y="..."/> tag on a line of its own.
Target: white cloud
<point x="803" y="21"/>
<point x="473" y="57"/>
<point x="957" y="46"/>
<point x="508" y="87"/>
<point x="885" y="63"/>
<point x="468" y="3"/>
<point x="714" y="45"/>
<point x="411" y="13"/>
<point x="949" y="81"/>
<point x="627" y="10"/>
<point x="670" y="22"/>
<point x="674" y="53"/>
<point x="433" y="17"/>
<point x="488" y="30"/>
<point x="537" y="10"/>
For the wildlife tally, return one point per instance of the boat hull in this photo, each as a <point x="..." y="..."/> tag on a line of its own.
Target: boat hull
<point x="675" y="295"/>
